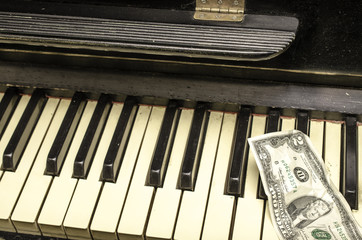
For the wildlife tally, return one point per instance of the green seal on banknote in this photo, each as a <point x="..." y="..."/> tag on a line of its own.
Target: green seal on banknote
<point x="320" y="234"/>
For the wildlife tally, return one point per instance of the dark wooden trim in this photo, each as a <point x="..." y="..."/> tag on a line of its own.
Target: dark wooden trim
<point x="220" y="90"/>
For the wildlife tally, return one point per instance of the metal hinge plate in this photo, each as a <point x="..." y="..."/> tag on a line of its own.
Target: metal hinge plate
<point x="220" y="10"/>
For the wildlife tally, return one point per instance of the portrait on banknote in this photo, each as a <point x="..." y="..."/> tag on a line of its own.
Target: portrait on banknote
<point x="305" y="210"/>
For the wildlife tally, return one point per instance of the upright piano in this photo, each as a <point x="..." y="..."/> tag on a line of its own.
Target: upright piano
<point x="130" y="119"/>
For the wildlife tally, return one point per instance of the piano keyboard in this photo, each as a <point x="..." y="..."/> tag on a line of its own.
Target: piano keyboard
<point x="86" y="169"/>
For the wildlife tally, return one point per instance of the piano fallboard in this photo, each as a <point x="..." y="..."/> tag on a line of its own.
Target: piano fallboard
<point x="326" y="49"/>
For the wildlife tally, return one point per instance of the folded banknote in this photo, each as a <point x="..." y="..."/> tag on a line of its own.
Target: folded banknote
<point x="303" y="202"/>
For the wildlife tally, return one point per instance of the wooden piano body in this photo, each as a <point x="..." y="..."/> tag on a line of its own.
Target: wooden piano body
<point x="319" y="75"/>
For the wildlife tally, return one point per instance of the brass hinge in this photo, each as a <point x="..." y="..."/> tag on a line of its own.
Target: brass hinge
<point x="220" y="10"/>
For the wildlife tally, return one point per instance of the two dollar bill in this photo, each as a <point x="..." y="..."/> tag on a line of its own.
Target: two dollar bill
<point x="303" y="202"/>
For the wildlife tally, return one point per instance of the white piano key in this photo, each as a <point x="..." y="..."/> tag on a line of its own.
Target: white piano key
<point x="193" y="203"/>
<point x="60" y="193"/>
<point x="332" y="151"/>
<point x="20" y="108"/>
<point x="167" y="199"/>
<point x="12" y="182"/>
<point x="316" y="134"/>
<point x="36" y="187"/>
<point x="287" y="123"/>
<point x="110" y="204"/>
<point x="269" y="231"/>
<point x="220" y="206"/>
<point x="135" y="213"/>
<point x="83" y="203"/>
<point x="249" y="210"/>
<point x="358" y="213"/>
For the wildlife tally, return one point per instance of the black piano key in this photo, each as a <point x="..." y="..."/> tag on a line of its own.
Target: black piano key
<point x="164" y="145"/>
<point x="7" y="107"/>
<point x="91" y="137"/>
<point x="191" y="160"/>
<point x="240" y="149"/>
<point x="65" y="134"/>
<point x="273" y="125"/>
<point x="23" y="130"/>
<point x="115" y="153"/>
<point x="303" y="122"/>
<point x="350" y="168"/>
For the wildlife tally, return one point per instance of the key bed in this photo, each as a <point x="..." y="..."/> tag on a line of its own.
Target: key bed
<point x="61" y="205"/>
